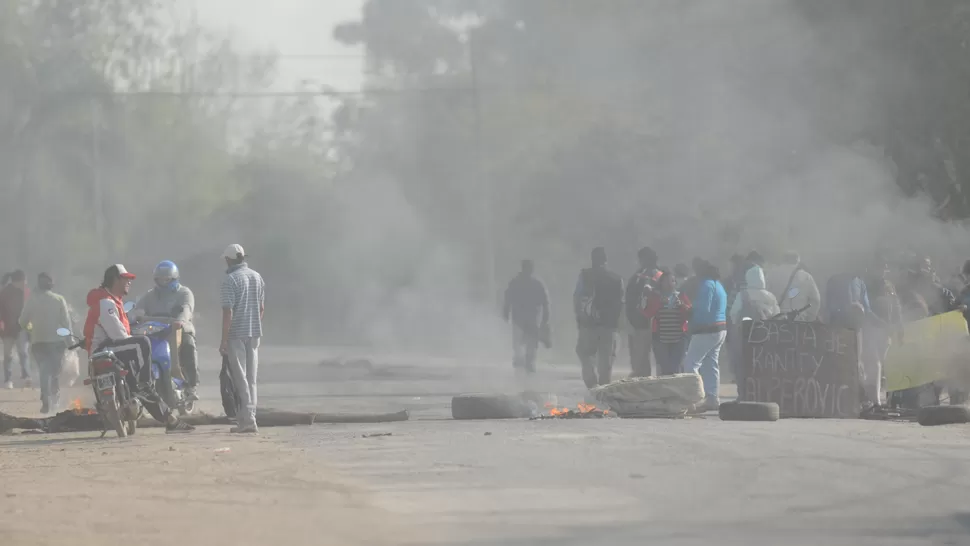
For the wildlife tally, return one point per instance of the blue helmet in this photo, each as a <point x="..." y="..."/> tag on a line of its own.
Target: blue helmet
<point x="167" y="275"/>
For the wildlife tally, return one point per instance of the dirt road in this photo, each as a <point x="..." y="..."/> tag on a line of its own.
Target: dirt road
<point x="207" y="488"/>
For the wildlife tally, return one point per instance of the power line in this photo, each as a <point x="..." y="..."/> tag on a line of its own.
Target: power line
<point x="322" y="56"/>
<point x="268" y="94"/>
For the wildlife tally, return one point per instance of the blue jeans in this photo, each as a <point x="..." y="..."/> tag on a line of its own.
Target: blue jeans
<point x="702" y="355"/>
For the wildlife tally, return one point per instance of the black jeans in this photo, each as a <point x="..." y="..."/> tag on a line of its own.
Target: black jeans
<point x="188" y="360"/>
<point x="135" y="353"/>
<point x="669" y="357"/>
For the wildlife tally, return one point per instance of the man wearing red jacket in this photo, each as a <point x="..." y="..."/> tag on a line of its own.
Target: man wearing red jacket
<point x="106" y="327"/>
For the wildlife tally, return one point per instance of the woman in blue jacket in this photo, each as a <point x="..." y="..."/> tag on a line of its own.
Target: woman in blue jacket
<point x="708" y="326"/>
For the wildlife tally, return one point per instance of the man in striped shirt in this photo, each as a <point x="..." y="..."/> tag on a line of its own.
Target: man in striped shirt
<point x="242" y="296"/>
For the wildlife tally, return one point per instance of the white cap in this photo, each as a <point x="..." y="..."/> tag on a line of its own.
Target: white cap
<point x="234" y="252"/>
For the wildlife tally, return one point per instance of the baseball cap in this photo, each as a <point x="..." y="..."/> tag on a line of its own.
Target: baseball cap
<point x="234" y="252"/>
<point x="115" y="271"/>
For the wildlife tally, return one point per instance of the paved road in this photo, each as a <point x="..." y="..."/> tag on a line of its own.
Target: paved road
<point x="628" y="482"/>
<point x="616" y="482"/>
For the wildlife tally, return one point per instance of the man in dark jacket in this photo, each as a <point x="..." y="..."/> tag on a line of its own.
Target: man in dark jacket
<point x="527" y="307"/>
<point x="638" y="290"/>
<point x="597" y="302"/>
<point x="12" y="298"/>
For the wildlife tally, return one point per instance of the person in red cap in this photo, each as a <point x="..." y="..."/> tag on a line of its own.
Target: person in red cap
<point x="106" y="327"/>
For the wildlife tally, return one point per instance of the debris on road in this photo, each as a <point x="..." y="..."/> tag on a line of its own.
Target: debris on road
<point x="500" y="406"/>
<point x="223" y="450"/>
<point x="662" y="397"/>
<point x="88" y="420"/>
<point x="582" y="411"/>
<point x="376" y="435"/>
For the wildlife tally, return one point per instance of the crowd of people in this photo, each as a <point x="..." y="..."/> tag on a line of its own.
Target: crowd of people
<point x="30" y="320"/>
<point x="685" y="320"/>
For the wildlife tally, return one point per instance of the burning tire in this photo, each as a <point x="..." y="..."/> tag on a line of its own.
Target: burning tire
<point x="665" y="396"/>
<point x="931" y="416"/>
<point x="496" y="406"/>
<point x="748" y="411"/>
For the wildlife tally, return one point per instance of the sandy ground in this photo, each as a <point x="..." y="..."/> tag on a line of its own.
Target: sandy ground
<point x="158" y="489"/>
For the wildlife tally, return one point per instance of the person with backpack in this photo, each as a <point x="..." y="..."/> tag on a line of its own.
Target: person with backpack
<point x="597" y="303"/>
<point x="847" y="306"/>
<point x="638" y="290"/>
<point x="708" y="327"/>
<point x="668" y="310"/>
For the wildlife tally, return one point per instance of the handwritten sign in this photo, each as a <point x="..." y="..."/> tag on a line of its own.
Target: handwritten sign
<point x="809" y="369"/>
<point x="931" y="349"/>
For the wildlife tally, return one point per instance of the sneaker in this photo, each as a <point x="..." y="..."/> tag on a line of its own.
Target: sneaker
<point x="244" y="429"/>
<point x="45" y="408"/>
<point x="179" y="427"/>
<point x="8" y="385"/>
<point x="28" y="383"/>
<point x="190" y="394"/>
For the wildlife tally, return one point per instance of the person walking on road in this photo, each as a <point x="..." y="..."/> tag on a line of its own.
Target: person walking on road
<point x="708" y="326"/>
<point x="597" y="303"/>
<point x="638" y="291"/>
<point x="44" y="313"/>
<point x="12" y="298"/>
<point x="527" y="308"/>
<point x="243" y="302"/>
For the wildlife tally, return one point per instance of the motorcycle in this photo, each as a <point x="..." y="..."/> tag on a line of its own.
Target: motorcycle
<point x="115" y="403"/>
<point x="170" y="386"/>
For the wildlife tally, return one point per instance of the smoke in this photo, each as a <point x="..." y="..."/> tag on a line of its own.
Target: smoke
<point x="700" y="128"/>
<point x="409" y="288"/>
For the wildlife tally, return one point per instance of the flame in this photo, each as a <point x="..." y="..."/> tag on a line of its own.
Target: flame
<point x="76" y="408"/>
<point x="585" y="408"/>
<point x="556" y="412"/>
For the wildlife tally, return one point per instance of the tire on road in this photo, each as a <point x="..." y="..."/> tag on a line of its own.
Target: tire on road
<point x="931" y="416"/>
<point x="748" y="411"/>
<point x="495" y="406"/>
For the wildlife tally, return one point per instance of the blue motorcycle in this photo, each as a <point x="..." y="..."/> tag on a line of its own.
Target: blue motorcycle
<point x="170" y="386"/>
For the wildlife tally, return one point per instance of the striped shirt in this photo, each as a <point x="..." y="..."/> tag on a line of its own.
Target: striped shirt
<point x="243" y="292"/>
<point x="670" y="323"/>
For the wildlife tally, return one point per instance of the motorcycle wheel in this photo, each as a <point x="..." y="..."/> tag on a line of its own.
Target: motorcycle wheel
<point x="112" y="417"/>
<point x="132" y="427"/>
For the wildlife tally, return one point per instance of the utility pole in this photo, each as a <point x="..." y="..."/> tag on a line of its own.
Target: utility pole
<point x="480" y="179"/>
<point x="99" y="219"/>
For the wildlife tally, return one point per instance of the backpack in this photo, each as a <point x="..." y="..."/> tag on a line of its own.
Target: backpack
<point x="838" y="299"/>
<point x="587" y="310"/>
<point x="637" y="295"/>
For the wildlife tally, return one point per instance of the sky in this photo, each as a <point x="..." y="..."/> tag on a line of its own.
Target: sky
<point x="296" y="29"/>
